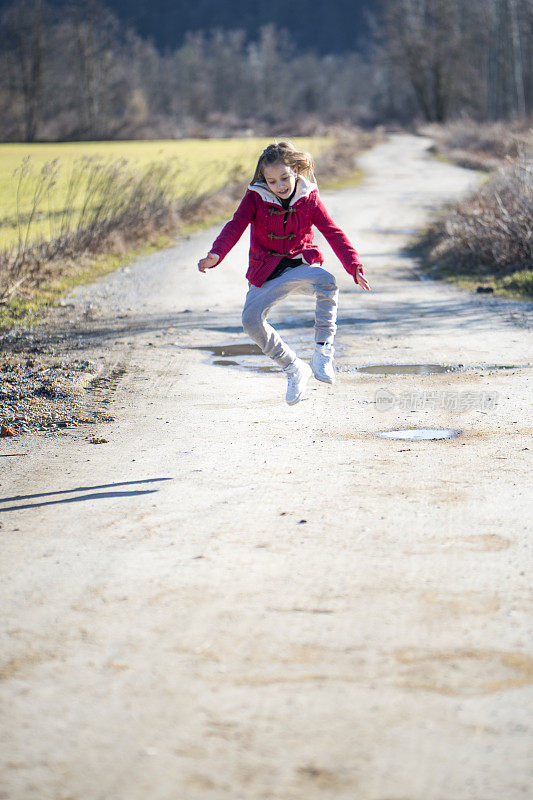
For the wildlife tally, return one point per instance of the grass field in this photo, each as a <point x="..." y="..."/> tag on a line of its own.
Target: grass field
<point x="202" y="165"/>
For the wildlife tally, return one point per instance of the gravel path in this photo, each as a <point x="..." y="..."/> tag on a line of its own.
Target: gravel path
<point x="214" y="595"/>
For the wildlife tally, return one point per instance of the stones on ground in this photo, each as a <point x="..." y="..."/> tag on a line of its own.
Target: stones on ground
<point x="7" y="430"/>
<point x="43" y="383"/>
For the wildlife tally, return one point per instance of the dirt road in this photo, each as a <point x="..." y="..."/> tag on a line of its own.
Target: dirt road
<point x="233" y="598"/>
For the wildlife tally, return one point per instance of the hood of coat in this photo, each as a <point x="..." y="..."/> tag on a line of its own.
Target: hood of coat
<point x="304" y="187"/>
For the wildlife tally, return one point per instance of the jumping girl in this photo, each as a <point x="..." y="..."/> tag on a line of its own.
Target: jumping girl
<point x="281" y="205"/>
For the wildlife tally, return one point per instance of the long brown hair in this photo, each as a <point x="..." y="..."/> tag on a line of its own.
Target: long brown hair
<point x="285" y="153"/>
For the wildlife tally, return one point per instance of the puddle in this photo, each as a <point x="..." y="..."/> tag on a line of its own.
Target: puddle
<point x="431" y="369"/>
<point x="227" y="362"/>
<point x="416" y="434"/>
<point x="243" y="349"/>
<point x="408" y="369"/>
<point x="228" y="356"/>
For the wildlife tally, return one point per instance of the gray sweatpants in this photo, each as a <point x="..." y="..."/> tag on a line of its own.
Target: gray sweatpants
<point x="304" y="279"/>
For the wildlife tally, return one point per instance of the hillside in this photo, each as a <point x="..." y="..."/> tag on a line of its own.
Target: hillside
<point x="325" y="26"/>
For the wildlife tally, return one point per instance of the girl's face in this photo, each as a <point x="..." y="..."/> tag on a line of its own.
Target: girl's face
<point x="280" y="179"/>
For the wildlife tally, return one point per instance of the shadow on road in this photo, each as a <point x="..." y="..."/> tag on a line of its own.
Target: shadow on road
<point x="373" y="315"/>
<point x="79" y="498"/>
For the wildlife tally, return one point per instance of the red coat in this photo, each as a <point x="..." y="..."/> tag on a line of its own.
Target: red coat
<point x="276" y="233"/>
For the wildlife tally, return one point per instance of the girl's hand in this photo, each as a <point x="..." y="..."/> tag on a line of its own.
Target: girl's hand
<point x="210" y="261"/>
<point x="361" y="280"/>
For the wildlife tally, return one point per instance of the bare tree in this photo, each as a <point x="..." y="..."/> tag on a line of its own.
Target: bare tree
<point x="422" y="38"/>
<point x="268" y="65"/>
<point x="24" y="31"/>
<point x="507" y="55"/>
<point x="459" y="56"/>
<point x="94" y="54"/>
<point x="192" y="68"/>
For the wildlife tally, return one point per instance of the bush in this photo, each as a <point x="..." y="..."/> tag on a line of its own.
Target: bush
<point x="483" y="146"/>
<point x="490" y="232"/>
<point x="103" y="201"/>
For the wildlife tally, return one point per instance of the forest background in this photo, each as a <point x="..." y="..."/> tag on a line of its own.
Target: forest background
<point x="82" y="70"/>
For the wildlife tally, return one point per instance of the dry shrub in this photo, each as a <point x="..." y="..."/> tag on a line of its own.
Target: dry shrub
<point x="108" y="208"/>
<point x="483" y="146"/>
<point x="490" y="231"/>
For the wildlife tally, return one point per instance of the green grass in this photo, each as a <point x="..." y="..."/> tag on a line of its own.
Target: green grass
<point x="203" y="165"/>
<point x="518" y="286"/>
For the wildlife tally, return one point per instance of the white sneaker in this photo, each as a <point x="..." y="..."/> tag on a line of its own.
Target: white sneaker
<point x="322" y="363"/>
<point x="298" y="373"/>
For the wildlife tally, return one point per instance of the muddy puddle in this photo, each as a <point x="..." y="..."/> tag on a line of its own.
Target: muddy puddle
<point x="222" y="362"/>
<point x="239" y="355"/>
<point x="407" y="369"/>
<point x="228" y="350"/>
<point x="431" y="369"/>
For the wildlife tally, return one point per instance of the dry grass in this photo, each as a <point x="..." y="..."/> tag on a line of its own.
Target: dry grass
<point x="489" y="235"/>
<point x="204" y="165"/>
<point x="106" y="203"/>
<point x="481" y="146"/>
<point x="112" y="208"/>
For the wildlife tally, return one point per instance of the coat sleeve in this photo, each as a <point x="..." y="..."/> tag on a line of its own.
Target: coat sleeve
<point x="234" y="229"/>
<point x="339" y="242"/>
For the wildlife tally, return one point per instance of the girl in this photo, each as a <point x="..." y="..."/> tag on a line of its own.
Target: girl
<point x="281" y="205"/>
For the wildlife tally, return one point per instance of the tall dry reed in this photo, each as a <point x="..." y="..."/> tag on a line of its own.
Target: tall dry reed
<point x="104" y="202"/>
